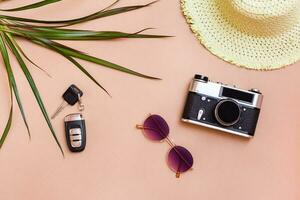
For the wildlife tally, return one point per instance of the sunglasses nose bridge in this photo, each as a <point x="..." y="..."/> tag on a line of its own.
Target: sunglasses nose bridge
<point x="170" y="142"/>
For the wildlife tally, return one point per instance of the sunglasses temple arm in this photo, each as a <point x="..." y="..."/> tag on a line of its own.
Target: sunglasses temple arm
<point x="151" y="129"/>
<point x="144" y="128"/>
<point x="178" y="172"/>
<point x="139" y="126"/>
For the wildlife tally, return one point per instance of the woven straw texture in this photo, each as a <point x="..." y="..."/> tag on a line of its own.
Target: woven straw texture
<point x="256" y="34"/>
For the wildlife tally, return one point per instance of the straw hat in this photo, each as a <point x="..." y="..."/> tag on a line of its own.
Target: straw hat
<point x="256" y="34"/>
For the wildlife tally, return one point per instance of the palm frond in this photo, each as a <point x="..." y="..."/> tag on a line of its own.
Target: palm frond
<point x="9" y="121"/>
<point x="33" y="87"/>
<point x="82" y="69"/>
<point x="11" y="78"/>
<point x="73" y="34"/>
<point x="83" y="56"/>
<point x="100" y="14"/>
<point x="78" y="65"/>
<point x="46" y="33"/>
<point x="31" y="6"/>
<point x="28" y="59"/>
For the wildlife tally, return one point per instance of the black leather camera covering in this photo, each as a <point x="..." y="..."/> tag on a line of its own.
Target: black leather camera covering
<point x="248" y="118"/>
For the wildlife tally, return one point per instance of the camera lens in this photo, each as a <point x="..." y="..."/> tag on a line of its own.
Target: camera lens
<point x="227" y="112"/>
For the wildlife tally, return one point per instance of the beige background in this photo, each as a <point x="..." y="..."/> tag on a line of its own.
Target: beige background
<point x="119" y="163"/>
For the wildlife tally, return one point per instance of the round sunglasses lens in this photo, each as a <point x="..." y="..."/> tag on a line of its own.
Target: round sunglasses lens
<point x="180" y="159"/>
<point x="156" y="128"/>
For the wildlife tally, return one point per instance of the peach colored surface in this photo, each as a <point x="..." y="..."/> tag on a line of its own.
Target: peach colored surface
<point x="119" y="163"/>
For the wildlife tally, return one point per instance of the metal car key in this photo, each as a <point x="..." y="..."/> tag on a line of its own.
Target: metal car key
<point x="71" y="96"/>
<point x="75" y="132"/>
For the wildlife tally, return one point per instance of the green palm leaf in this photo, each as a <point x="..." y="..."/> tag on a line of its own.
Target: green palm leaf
<point x="33" y="87"/>
<point x="9" y="121"/>
<point x="82" y="69"/>
<point x="27" y="58"/>
<point x="12" y="80"/>
<point x="97" y="15"/>
<point x="72" y="34"/>
<point x="78" y="65"/>
<point x="81" y="55"/>
<point x="101" y="14"/>
<point x="31" y="6"/>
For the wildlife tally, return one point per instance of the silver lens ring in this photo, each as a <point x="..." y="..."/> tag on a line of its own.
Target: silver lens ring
<point x="237" y="112"/>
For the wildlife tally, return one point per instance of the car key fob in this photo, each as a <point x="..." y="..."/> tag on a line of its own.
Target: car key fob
<point x="75" y="132"/>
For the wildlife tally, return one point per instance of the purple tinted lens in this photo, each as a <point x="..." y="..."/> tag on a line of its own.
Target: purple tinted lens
<point x="180" y="159"/>
<point x="156" y="128"/>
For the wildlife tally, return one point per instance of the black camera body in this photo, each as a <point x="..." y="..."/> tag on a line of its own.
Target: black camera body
<point x="222" y="107"/>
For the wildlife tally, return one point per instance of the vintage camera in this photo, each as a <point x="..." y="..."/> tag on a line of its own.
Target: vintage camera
<point x="222" y="107"/>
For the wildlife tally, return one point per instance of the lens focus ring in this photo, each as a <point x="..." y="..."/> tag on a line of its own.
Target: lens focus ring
<point x="227" y="112"/>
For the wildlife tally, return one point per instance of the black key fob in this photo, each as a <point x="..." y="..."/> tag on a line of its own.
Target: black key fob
<point x="75" y="132"/>
<point x="72" y="94"/>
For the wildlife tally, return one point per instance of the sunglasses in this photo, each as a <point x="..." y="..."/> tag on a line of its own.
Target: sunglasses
<point x="179" y="158"/>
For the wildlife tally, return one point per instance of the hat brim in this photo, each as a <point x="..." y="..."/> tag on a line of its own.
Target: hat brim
<point x="266" y="52"/>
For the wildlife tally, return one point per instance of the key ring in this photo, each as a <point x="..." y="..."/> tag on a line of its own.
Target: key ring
<point x="80" y="103"/>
